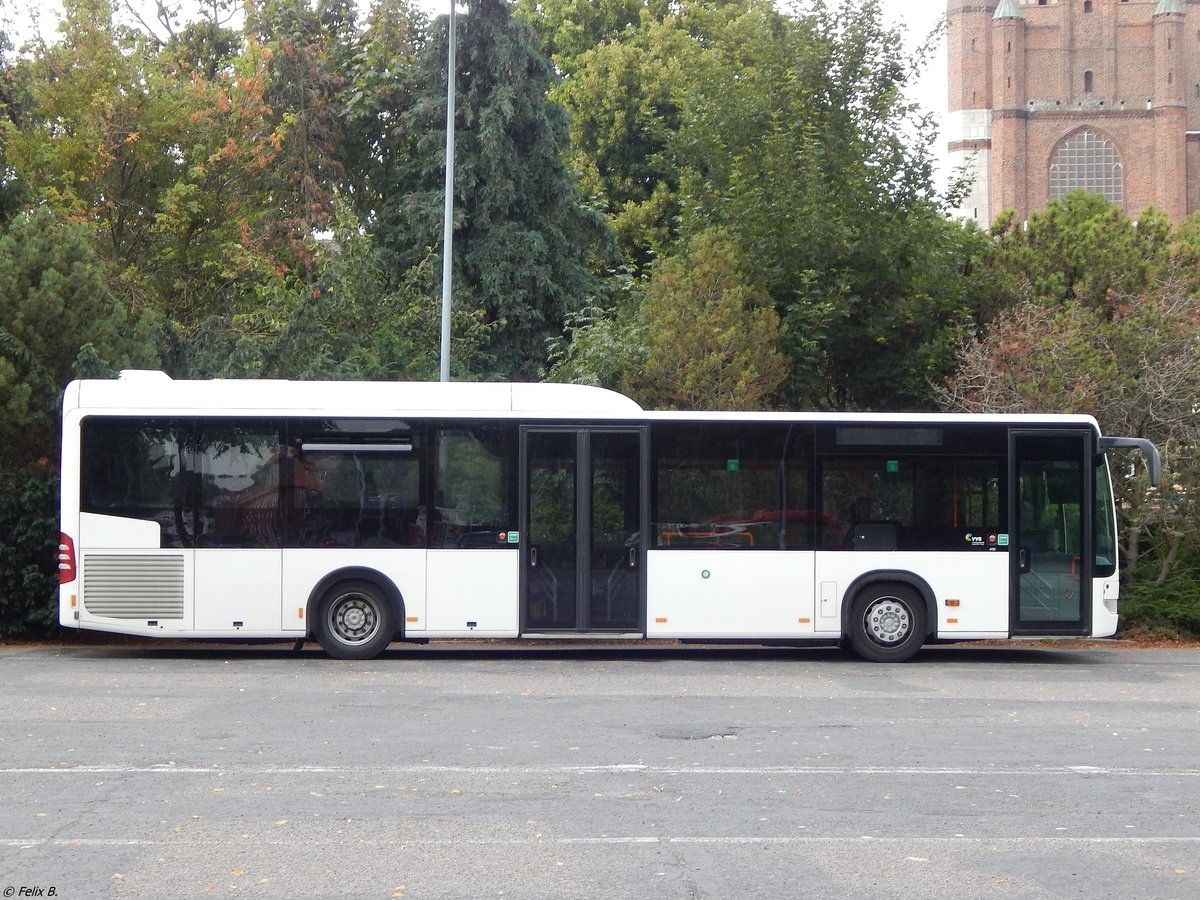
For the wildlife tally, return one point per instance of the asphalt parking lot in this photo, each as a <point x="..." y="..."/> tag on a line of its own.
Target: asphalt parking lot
<point x="489" y="770"/>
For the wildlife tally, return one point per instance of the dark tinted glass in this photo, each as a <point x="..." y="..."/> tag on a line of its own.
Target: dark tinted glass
<point x="474" y="487"/>
<point x="238" y="466"/>
<point x="735" y="487"/>
<point x="348" y="496"/>
<point x="929" y="503"/>
<point x="136" y="470"/>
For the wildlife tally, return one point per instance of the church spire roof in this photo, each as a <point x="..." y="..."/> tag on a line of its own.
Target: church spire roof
<point x="1008" y="9"/>
<point x="1169" y="6"/>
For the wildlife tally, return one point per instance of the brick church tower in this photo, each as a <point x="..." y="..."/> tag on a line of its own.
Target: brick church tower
<point x="1047" y="96"/>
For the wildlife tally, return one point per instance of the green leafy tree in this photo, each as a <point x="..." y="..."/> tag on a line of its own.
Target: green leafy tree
<point x="205" y="45"/>
<point x="700" y="334"/>
<point x="1078" y="249"/>
<point x="568" y="29"/>
<point x="90" y="141"/>
<point x="382" y="144"/>
<point x="58" y="320"/>
<point x="13" y="96"/>
<point x="797" y="137"/>
<point x="790" y="132"/>
<point x="169" y="168"/>
<point x="712" y="337"/>
<point x="347" y="318"/>
<point x="624" y="100"/>
<point x="28" y="546"/>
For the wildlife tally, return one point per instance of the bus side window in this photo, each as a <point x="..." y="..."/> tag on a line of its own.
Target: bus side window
<point x="136" y="470"/>
<point x="911" y="502"/>
<point x="238" y="466"/>
<point x="732" y="487"/>
<point x="474" y="495"/>
<point x="344" y="497"/>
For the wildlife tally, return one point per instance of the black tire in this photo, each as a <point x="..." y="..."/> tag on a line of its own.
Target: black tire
<point x="356" y="621"/>
<point x="887" y="623"/>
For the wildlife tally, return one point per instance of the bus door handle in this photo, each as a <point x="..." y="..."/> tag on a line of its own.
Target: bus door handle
<point x="633" y="557"/>
<point x="1023" y="564"/>
<point x="533" y="557"/>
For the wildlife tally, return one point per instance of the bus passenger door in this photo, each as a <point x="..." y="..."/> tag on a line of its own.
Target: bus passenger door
<point x="1050" y="545"/>
<point x="581" y="558"/>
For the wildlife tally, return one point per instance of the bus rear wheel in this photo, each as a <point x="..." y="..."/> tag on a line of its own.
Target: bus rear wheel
<point x="356" y="621"/>
<point x="887" y="623"/>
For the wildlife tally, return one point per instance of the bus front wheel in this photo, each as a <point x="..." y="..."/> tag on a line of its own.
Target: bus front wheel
<point x="356" y="621"/>
<point x="887" y="623"/>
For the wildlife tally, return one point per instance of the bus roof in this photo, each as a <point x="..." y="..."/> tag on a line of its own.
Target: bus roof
<point x="143" y="390"/>
<point x="874" y="418"/>
<point x="153" y="392"/>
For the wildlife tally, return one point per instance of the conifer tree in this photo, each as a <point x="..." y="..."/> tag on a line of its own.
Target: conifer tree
<point x="524" y="239"/>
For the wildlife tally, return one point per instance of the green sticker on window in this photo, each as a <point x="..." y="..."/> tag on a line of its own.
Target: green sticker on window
<point x="893" y="466"/>
<point x="733" y="465"/>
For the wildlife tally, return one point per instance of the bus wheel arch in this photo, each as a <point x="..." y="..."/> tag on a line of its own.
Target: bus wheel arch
<point x="888" y="616"/>
<point x="355" y="613"/>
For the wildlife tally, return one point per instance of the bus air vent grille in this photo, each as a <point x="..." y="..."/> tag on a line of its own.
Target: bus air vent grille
<point x="133" y="587"/>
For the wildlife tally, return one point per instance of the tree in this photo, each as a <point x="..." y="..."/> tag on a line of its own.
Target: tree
<point x="13" y="95"/>
<point x="525" y="242"/>
<point x="1078" y="249"/>
<point x="58" y="320"/>
<point x="791" y="133"/>
<point x="312" y="50"/>
<point x="701" y="335"/>
<point x="797" y="138"/>
<point x="347" y="318"/>
<point x="712" y="337"/>
<point x="214" y="226"/>
<point x="568" y="29"/>
<point x="623" y="97"/>
<point x="89" y="141"/>
<point x="381" y="143"/>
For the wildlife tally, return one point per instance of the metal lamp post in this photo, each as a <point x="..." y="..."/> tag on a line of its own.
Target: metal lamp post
<point x="448" y="219"/>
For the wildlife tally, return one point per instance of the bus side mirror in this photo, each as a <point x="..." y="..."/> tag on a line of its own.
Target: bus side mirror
<point x="1149" y="451"/>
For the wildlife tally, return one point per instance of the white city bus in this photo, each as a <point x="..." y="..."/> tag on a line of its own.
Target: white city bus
<point x="362" y="513"/>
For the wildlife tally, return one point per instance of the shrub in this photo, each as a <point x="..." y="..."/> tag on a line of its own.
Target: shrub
<point x="28" y="551"/>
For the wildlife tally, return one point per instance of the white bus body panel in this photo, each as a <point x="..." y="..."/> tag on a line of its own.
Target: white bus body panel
<point x="305" y="568"/>
<point x="978" y="581"/>
<point x="1105" y="592"/>
<point x="240" y="591"/>
<point x="473" y="586"/>
<point x="729" y="594"/>
<point x="766" y="594"/>
<point x="98" y="532"/>
<point x="144" y="392"/>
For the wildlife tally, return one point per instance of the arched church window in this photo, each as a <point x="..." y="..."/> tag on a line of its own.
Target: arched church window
<point x="1089" y="82"/>
<point x="1087" y="161"/>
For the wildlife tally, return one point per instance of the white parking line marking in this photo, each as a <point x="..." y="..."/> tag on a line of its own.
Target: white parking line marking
<point x="375" y="771"/>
